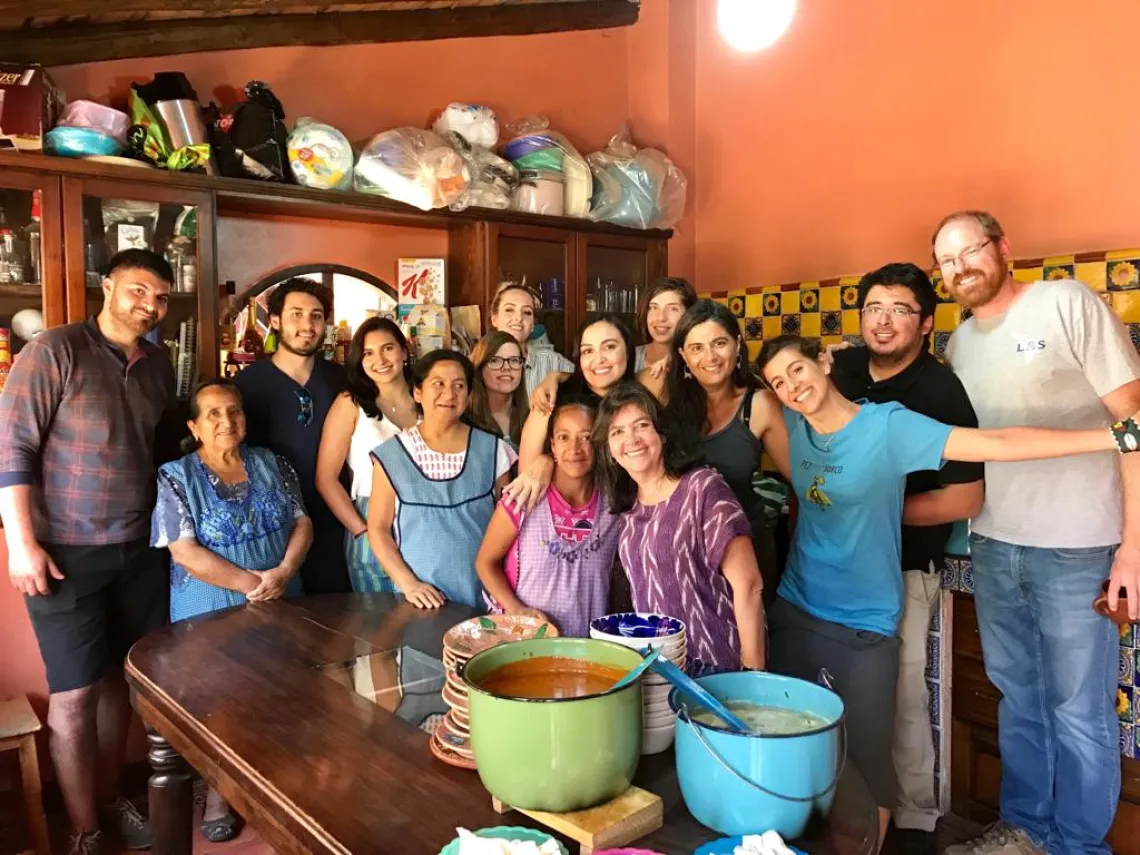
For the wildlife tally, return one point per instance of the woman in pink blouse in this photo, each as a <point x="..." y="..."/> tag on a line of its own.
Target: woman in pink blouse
<point x="685" y="542"/>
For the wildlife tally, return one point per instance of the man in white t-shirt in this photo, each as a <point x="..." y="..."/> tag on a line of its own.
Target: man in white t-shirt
<point x="1047" y="354"/>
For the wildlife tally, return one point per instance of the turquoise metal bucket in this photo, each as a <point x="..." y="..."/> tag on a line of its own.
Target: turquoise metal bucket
<point x="748" y="783"/>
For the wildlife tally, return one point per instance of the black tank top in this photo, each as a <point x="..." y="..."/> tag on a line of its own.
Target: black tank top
<point x="736" y="453"/>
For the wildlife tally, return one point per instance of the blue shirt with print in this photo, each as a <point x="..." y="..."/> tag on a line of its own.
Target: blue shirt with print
<point x="845" y="559"/>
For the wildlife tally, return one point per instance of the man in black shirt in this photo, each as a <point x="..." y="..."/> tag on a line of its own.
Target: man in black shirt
<point x="897" y="303"/>
<point x="286" y="399"/>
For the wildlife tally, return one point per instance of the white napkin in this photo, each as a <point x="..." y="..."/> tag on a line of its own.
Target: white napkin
<point x="768" y="843"/>
<point x="470" y="844"/>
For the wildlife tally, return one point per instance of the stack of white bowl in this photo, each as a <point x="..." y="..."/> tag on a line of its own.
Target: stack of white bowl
<point x="658" y="719"/>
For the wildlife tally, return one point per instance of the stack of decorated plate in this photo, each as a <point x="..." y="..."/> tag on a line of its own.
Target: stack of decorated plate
<point x="451" y="741"/>
<point x="641" y="630"/>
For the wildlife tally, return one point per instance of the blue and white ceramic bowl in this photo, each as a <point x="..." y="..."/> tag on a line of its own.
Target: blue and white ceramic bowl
<point x="637" y="625"/>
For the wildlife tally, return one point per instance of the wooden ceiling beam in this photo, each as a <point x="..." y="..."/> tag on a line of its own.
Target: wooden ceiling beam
<point x="83" y="41"/>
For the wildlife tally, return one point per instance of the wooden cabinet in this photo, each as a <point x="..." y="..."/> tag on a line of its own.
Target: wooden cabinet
<point x="577" y="266"/>
<point x="31" y="266"/>
<point x="102" y="216"/>
<point x="975" y="759"/>
<point x="576" y="273"/>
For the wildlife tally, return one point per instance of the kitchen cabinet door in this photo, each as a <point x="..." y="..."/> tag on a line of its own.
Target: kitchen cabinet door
<point x="102" y="217"/>
<point x="31" y="261"/>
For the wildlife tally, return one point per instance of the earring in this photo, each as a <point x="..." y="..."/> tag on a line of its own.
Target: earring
<point x="739" y="358"/>
<point x="687" y="374"/>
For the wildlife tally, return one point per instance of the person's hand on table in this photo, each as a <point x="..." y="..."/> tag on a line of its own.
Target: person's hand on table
<point x="272" y="585"/>
<point x="29" y="567"/>
<point x="422" y="595"/>
<point x="528" y="489"/>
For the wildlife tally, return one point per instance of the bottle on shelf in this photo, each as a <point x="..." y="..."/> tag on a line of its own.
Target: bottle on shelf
<point x="343" y="340"/>
<point x="34" y="240"/>
<point x="13" y="266"/>
<point x="329" y="351"/>
<point x="271" y="342"/>
<point x="251" y="341"/>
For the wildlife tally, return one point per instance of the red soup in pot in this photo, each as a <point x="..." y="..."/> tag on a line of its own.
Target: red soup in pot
<point x="548" y="677"/>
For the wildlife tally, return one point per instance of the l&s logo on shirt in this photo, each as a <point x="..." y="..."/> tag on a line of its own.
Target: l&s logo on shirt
<point x="1030" y="345"/>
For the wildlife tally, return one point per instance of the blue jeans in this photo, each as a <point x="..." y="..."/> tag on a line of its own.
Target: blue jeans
<point x="1056" y="662"/>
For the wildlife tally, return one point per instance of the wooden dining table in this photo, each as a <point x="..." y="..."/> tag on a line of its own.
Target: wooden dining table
<point x="294" y="711"/>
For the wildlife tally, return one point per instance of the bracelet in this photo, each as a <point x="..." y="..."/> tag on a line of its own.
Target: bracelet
<point x="360" y="533"/>
<point x="1127" y="435"/>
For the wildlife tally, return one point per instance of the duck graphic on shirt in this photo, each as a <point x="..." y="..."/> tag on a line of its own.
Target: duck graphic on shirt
<point x="816" y="496"/>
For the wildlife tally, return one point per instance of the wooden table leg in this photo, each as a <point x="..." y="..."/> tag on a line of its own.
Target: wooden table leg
<point x="171" y="799"/>
<point x="33" y="795"/>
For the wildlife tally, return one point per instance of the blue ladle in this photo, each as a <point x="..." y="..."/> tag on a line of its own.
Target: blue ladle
<point x="637" y="670"/>
<point x="692" y="690"/>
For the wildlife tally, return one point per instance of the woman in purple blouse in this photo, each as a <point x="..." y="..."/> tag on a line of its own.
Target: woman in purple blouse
<point x="685" y="544"/>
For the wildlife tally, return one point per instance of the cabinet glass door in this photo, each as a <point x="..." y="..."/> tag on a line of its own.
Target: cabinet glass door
<point x="31" y="291"/>
<point x="103" y="218"/>
<point x="616" y="274"/>
<point x="541" y="259"/>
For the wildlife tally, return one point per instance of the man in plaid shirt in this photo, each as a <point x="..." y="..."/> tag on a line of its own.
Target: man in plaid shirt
<point x="77" y="482"/>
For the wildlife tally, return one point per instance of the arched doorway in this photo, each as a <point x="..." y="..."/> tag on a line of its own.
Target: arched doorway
<point x="356" y="295"/>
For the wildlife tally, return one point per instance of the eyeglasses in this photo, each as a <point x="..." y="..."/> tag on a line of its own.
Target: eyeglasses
<point x="969" y="254"/>
<point x="898" y="310"/>
<point x="497" y="362"/>
<point x="305" y="416"/>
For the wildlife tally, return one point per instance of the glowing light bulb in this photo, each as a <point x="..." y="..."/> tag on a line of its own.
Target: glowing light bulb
<point x="753" y="25"/>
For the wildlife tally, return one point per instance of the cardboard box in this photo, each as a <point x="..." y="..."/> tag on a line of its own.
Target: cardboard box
<point x="30" y="105"/>
<point x="422" y="281"/>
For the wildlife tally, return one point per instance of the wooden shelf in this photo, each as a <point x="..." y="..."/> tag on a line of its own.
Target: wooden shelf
<point x="238" y="196"/>
<point x="21" y="289"/>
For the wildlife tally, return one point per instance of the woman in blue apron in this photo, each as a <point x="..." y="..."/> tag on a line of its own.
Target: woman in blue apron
<point x="434" y="488"/>
<point x="236" y="528"/>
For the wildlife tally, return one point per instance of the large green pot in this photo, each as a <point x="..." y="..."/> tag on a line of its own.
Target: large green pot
<point x="560" y="754"/>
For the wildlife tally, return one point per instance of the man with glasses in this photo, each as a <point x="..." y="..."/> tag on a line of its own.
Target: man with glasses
<point x="286" y="400"/>
<point x="897" y="307"/>
<point x="1048" y="354"/>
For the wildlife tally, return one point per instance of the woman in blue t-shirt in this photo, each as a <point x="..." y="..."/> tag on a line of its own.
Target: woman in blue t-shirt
<point x="838" y="604"/>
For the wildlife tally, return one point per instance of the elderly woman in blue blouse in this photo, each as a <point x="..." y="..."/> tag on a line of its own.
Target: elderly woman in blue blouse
<point x="235" y="526"/>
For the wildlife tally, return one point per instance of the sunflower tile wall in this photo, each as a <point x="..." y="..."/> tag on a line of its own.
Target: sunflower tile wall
<point x="827" y="310"/>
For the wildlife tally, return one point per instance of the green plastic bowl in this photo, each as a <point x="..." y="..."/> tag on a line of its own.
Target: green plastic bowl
<point x="505" y="832"/>
<point x="560" y="754"/>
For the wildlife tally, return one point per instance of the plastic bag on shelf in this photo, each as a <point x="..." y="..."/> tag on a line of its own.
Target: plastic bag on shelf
<point x="492" y="178"/>
<point x="149" y="141"/>
<point x="98" y="117"/>
<point x="320" y="155"/>
<point x="413" y="166"/>
<point x="250" y="141"/>
<point x="479" y="126"/>
<point x="641" y="188"/>
<point x="531" y="145"/>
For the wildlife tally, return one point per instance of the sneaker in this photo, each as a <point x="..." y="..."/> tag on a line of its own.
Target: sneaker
<point x="913" y="841"/>
<point x="999" y="839"/>
<point x="129" y="826"/>
<point x="86" y="843"/>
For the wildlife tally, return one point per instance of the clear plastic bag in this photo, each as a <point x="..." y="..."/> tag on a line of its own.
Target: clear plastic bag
<point x="88" y="114"/>
<point x="412" y="166"/>
<point x="320" y="155"/>
<point x="532" y="146"/>
<point x="492" y="179"/>
<point x="479" y="126"/>
<point x="640" y="188"/>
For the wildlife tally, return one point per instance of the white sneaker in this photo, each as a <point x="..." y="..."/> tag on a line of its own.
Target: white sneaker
<point x="998" y="839"/>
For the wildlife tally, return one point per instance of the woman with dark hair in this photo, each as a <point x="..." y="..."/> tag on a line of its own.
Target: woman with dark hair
<point x="556" y="561"/>
<point x="713" y="394"/>
<point x="498" y="402"/>
<point x="232" y="517"/>
<point x="376" y="406"/>
<point x="658" y="312"/>
<point x="839" y="602"/>
<point x="603" y="354"/>
<point x="434" y="487"/>
<point x="685" y="543"/>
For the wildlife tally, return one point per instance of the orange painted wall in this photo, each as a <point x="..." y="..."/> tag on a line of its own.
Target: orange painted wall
<point x="839" y="148"/>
